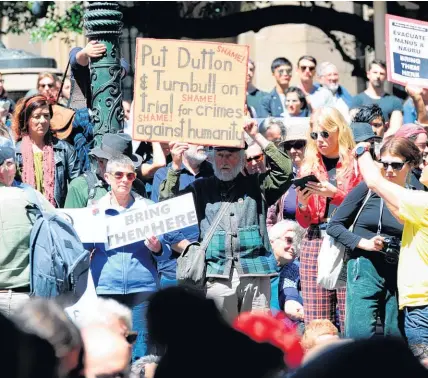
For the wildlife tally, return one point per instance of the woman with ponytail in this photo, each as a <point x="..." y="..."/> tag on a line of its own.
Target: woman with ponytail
<point x="44" y="162"/>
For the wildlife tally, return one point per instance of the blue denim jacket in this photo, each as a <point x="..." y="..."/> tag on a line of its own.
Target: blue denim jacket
<point x="128" y="269"/>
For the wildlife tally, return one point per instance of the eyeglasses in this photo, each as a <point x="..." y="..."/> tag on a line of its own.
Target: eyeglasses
<point x="310" y="68"/>
<point x="131" y="337"/>
<point x="395" y="165"/>
<point x="50" y="85"/>
<point x="131" y="176"/>
<point x="257" y="158"/>
<point x="285" y="71"/>
<point x="296" y="144"/>
<point x="324" y="134"/>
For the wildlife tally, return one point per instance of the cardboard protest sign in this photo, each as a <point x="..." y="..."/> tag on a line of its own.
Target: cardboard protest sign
<point x="156" y="219"/>
<point x="190" y="92"/>
<point x="407" y="50"/>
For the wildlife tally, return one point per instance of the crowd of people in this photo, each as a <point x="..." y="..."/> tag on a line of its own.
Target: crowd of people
<point x="365" y="158"/>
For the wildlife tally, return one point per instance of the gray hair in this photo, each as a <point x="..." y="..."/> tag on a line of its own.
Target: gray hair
<point x="322" y="67"/>
<point x="277" y="230"/>
<point x="269" y="122"/>
<point x="138" y="368"/>
<point x="121" y="160"/>
<point x="103" y="312"/>
<point x="46" y="319"/>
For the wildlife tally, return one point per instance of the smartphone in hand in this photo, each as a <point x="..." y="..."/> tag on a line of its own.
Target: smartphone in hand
<point x="302" y="181"/>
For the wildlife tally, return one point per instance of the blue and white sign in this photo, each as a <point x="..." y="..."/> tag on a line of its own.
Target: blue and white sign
<point x="407" y="50"/>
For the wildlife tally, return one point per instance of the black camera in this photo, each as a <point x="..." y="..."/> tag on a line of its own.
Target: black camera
<point x="391" y="249"/>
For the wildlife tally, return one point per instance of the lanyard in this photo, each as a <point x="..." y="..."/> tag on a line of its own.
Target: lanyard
<point x="379" y="225"/>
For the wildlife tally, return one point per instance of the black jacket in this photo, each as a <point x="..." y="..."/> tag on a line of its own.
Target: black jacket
<point x="66" y="167"/>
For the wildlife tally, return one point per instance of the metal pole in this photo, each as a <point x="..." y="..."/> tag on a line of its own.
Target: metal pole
<point x="379" y="12"/>
<point x="102" y="22"/>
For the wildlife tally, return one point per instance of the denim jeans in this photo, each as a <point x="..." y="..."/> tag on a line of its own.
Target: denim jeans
<point x="371" y="291"/>
<point x="416" y="328"/>
<point x="138" y="303"/>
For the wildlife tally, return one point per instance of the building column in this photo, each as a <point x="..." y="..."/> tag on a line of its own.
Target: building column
<point x="379" y="12"/>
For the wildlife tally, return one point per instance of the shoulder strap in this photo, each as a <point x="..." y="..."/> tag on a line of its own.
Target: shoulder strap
<point x="361" y="209"/>
<point x="379" y="225"/>
<point x="63" y="80"/>
<point x="92" y="180"/>
<point x="224" y="206"/>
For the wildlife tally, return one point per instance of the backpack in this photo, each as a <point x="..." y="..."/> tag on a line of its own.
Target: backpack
<point x="93" y="183"/>
<point x="59" y="263"/>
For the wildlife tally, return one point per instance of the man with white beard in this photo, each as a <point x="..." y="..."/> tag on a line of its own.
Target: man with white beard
<point x="328" y="75"/>
<point x="239" y="255"/>
<point x="194" y="166"/>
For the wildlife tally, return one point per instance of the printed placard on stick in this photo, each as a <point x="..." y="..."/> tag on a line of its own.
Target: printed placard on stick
<point x="190" y="92"/>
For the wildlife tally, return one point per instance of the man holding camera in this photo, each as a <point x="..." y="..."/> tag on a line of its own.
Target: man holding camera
<point x="409" y="207"/>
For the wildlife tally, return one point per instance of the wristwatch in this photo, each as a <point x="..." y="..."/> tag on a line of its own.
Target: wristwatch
<point x="360" y="151"/>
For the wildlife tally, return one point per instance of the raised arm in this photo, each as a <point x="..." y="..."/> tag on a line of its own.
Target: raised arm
<point x="278" y="179"/>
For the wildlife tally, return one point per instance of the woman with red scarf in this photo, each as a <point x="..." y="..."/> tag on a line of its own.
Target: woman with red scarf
<point x="328" y="156"/>
<point x="45" y="163"/>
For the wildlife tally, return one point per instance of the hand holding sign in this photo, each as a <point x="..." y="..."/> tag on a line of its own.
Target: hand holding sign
<point x="153" y="243"/>
<point x="414" y="90"/>
<point x="177" y="150"/>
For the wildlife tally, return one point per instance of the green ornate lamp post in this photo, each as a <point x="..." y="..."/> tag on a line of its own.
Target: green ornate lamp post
<point x="102" y="22"/>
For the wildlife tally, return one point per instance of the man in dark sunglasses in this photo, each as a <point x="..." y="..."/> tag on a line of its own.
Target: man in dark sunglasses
<point x="316" y="94"/>
<point x="255" y="159"/>
<point x="273" y="104"/>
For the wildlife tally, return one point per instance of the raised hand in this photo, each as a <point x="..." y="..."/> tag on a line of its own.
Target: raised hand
<point x="177" y="150"/>
<point x="94" y="49"/>
<point x="251" y="127"/>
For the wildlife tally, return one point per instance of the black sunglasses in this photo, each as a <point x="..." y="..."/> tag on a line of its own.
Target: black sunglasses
<point x="296" y="144"/>
<point x="131" y="337"/>
<point x="396" y="166"/>
<point x="310" y="68"/>
<point x="257" y="158"/>
<point x="324" y="134"/>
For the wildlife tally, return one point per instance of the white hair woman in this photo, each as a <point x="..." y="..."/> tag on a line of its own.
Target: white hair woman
<point x="285" y="238"/>
<point x="127" y="274"/>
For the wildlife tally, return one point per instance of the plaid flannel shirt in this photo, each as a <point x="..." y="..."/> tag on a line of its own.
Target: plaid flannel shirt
<point x="241" y="238"/>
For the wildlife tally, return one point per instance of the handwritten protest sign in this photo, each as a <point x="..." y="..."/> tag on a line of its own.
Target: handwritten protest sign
<point x="156" y="219"/>
<point x="407" y="50"/>
<point x="190" y="91"/>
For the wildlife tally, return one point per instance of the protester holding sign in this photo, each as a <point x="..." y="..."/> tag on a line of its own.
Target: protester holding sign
<point x="239" y="255"/>
<point x="128" y="273"/>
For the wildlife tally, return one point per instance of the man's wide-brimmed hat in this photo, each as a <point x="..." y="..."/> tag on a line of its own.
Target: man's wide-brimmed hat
<point x="116" y="144"/>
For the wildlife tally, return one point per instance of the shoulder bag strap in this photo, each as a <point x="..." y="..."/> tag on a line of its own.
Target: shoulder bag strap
<point x="63" y="80"/>
<point x="211" y="230"/>
<point x="379" y="225"/>
<point x="361" y="209"/>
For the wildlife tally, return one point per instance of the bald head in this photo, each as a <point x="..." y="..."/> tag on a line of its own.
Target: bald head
<point x="106" y="352"/>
